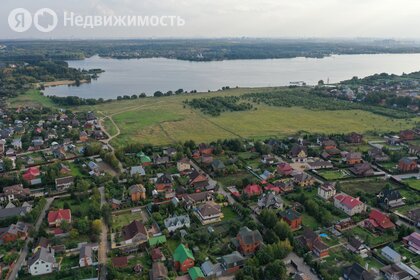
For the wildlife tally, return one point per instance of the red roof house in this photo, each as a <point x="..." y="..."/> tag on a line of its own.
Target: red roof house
<point x="272" y="188"/>
<point x="31" y="173"/>
<point x="379" y="221"/>
<point x="284" y="169"/>
<point x="252" y="190"/>
<point x="56" y="217"/>
<point x="349" y="204"/>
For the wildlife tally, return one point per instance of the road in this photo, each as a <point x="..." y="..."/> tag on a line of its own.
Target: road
<point x="103" y="243"/>
<point x="24" y="252"/>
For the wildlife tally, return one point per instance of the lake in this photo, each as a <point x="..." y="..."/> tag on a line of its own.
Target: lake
<point x="134" y="76"/>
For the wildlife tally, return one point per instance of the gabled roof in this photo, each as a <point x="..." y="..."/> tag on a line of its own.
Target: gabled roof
<point x="249" y="236"/>
<point x="290" y="214"/>
<point x="381" y="219"/>
<point x="182" y="253"/>
<point x="357" y="272"/>
<point x="195" y="273"/>
<point x="209" y="209"/>
<point x="234" y="257"/>
<point x="348" y="201"/>
<point x="252" y="189"/>
<point x="43" y="254"/>
<point x="60" y="214"/>
<point x="131" y="230"/>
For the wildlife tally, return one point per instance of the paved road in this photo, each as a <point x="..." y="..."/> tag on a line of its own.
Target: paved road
<point x="24" y="252"/>
<point x="103" y="244"/>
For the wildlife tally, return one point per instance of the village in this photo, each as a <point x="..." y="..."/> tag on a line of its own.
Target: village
<point x="306" y="207"/>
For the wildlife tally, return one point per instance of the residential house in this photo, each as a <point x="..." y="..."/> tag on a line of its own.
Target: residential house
<point x="195" y="273"/>
<point x="314" y="243"/>
<point x="349" y="204"/>
<point x="407" y="135"/>
<point x="389" y="199"/>
<point x="15" y="192"/>
<point x="362" y="170"/>
<point x="119" y="262"/>
<point x="85" y="256"/>
<point x="164" y="183"/>
<point x="414" y="216"/>
<point x="327" y="191"/>
<point x="144" y="159"/>
<point x="13" y="232"/>
<point x="205" y="149"/>
<point x="329" y="144"/>
<point x="42" y="262"/>
<point x="248" y="241"/>
<point x="357" y="272"/>
<point x="354" y="138"/>
<point x="12" y="211"/>
<point x="218" y="165"/>
<point x="253" y="190"/>
<point x="414" y="150"/>
<point x="378" y="221"/>
<point x="158" y="272"/>
<point x="137" y="192"/>
<point x="158" y="160"/>
<point x="320" y="164"/>
<point x="407" y="165"/>
<point x="270" y="200"/>
<point x="194" y="199"/>
<point x="31" y="174"/>
<point x="292" y="218"/>
<point x="198" y="180"/>
<point x="176" y="222"/>
<point x="56" y="217"/>
<point x="355" y="245"/>
<point x="64" y="183"/>
<point x="211" y="270"/>
<point x="377" y="155"/>
<point x="303" y="180"/>
<point x="299" y="153"/>
<point x="353" y="158"/>
<point x="232" y="262"/>
<point x="115" y="204"/>
<point x="390" y="255"/>
<point x="183" y="165"/>
<point x="268" y="159"/>
<point x="208" y="213"/>
<point x="284" y="169"/>
<point x="183" y="258"/>
<point x="134" y="233"/>
<point x="412" y="242"/>
<point x="137" y="170"/>
<point x="394" y="272"/>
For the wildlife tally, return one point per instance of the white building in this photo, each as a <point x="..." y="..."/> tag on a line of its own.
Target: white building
<point x="390" y="255"/>
<point x="349" y="204"/>
<point x="43" y="262"/>
<point x="176" y="222"/>
<point x="327" y="191"/>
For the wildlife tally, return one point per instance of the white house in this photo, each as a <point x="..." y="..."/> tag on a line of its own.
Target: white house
<point x="390" y="255"/>
<point x="327" y="191"/>
<point x="349" y="204"/>
<point x="43" y="262"/>
<point x="176" y="222"/>
<point x="183" y="164"/>
<point x="85" y="256"/>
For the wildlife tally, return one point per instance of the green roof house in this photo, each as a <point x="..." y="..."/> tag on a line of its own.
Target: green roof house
<point x="143" y="157"/>
<point x="183" y="258"/>
<point x="196" y="273"/>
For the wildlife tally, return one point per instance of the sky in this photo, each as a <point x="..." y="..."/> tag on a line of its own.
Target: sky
<point x="230" y="18"/>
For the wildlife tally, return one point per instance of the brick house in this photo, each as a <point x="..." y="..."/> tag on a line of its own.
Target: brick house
<point x="407" y="165"/>
<point x="253" y="190"/>
<point x="183" y="258"/>
<point x="14" y="232"/>
<point x="378" y="221"/>
<point x="292" y="218"/>
<point x="248" y="241"/>
<point x="407" y="135"/>
<point x="137" y="192"/>
<point x="348" y="204"/>
<point x="354" y="138"/>
<point x="55" y="218"/>
<point x="353" y="158"/>
<point x="314" y="243"/>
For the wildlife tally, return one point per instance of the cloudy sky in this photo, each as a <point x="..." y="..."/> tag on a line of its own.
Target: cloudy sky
<point x="232" y="18"/>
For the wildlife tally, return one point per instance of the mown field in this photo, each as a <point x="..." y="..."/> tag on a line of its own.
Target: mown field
<point x="166" y="120"/>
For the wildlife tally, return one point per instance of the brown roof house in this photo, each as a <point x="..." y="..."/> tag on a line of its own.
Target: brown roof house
<point x="247" y="241"/>
<point x="208" y="213"/>
<point x="159" y="271"/>
<point x="314" y="243"/>
<point x="137" y="192"/>
<point x="134" y="234"/>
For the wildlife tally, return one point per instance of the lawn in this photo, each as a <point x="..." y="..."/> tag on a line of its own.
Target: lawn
<point x="371" y="239"/>
<point x="413" y="183"/>
<point x="234" y="179"/>
<point x="121" y="220"/>
<point x="370" y="186"/>
<point x="32" y="98"/>
<point x="309" y="221"/>
<point x="228" y="214"/>
<point x="75" y="206"/>
<point x="334" y="174"/>
<point x="165" y="120"/>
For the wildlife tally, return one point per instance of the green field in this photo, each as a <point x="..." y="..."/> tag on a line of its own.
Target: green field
<point x="32" y="98"/>
<point x="370" y="186"/>
<point x="413" y="183"/>
<point x="166" y="120"/>
<point x="334" y="174"/>
<point x="124" y="219"/>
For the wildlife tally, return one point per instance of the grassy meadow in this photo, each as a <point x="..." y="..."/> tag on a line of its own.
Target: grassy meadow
<point x="166" y="120"/>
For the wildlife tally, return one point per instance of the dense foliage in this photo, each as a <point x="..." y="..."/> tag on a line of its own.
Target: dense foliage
<point x="214" y="106"/>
